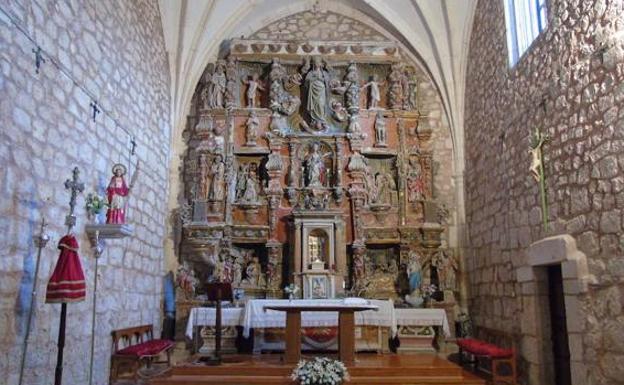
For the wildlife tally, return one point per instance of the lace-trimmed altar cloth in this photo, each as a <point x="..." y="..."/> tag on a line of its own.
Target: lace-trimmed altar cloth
<point x="254" y="315"/>
<point x="206" y="316"/>
<point x="423" y="317"/>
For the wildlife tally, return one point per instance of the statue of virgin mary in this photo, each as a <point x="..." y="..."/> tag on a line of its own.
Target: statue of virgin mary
<point x="317" y="86"/>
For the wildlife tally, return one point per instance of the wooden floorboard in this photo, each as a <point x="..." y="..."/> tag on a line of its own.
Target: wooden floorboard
<point x="388" y="369"/>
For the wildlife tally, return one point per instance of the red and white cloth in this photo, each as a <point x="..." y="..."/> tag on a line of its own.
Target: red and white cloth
<point x="67" y="283"/>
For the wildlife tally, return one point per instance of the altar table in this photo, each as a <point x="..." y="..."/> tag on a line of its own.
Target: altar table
<point x="346" y="327"/>
<point x="415" y="328"/>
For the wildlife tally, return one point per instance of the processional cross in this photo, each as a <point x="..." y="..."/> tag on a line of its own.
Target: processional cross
<point x="538" y="139"/>
<point x="76" y="187"/>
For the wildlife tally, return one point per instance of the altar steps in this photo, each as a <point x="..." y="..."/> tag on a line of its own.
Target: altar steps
<point x="387" y="369"/>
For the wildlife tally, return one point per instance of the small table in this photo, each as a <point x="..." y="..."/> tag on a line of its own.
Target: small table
<point x="346" y="328"/>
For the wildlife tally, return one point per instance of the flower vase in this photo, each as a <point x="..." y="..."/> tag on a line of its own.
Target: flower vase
<point x="291" y="296"/>
<point x="99" y="218"/>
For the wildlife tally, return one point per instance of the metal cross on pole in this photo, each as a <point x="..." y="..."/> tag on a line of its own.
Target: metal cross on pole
<point x="76" y="187"/>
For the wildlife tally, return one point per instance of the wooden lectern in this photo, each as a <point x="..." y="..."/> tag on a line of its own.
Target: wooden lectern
<point x="218" y="291"/>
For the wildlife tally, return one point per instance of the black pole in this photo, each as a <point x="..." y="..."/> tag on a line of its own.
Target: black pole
<point x="58" y="374"/>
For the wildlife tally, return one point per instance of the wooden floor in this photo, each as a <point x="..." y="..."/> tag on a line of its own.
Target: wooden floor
<point x="387" y="369"/>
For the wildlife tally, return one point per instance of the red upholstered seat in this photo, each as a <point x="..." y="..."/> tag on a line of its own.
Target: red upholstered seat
<point x="481" y="348"/>
<point x="148" y="348"/>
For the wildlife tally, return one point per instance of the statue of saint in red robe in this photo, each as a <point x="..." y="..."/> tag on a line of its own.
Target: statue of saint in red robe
<point x="117" y="191"/>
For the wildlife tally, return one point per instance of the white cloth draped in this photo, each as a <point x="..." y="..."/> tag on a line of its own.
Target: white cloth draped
<point x="254" y="316"/>
<point x="423" y="317"/>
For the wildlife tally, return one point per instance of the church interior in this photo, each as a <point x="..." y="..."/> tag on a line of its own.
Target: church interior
<point x="312" y="192"/>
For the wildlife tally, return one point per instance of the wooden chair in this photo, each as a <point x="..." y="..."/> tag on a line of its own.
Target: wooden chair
<point x="135" y="346"/>
<point x="497" y="356"/>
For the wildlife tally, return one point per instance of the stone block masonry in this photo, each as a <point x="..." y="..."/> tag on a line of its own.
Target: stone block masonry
<point x="568" y="88"/>
<point x="116" y="49"/>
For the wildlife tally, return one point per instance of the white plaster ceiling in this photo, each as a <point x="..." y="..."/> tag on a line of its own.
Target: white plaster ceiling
<point x="434" y="32"/>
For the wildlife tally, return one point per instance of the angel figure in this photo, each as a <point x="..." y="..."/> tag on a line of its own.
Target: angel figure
<point x="253" y="85"/>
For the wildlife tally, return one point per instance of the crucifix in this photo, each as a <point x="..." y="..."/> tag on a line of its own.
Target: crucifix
<point x="76" y="187"/>
<point x="538" y="139"/>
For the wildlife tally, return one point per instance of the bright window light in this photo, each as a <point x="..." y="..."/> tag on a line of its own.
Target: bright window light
<point x="525" y="19"/>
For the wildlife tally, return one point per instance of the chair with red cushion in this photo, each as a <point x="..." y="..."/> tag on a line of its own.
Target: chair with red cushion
<point x="498" y="356"/>
<point x="140" y="347"/>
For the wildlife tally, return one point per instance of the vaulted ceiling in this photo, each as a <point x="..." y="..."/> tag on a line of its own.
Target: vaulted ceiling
<point x="433" y="32"/>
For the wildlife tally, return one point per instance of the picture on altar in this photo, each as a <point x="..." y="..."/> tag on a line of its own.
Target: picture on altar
<point x="319" y="287"/>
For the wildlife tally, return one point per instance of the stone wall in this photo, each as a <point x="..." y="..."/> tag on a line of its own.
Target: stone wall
<point x="116" y="49"/>
<point x="567" y="88"/>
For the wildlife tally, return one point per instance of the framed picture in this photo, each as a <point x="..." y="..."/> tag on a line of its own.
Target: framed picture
<point x="319" y="287"/>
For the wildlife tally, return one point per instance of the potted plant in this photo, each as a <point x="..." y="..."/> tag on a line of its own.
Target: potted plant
<point x="320" y="371"/>
<point x="96" y="206"/>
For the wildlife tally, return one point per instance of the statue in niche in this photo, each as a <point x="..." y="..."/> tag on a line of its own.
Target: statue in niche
<point x="396" y="81"/>
<point x="186" y="280"/>
<point x="381" y="133"/>
<point x="411" y="99"/>
<point x="249" y="175"/>
<point x="352" y="88"/>
<point x="217" y="172"/>
<point x="384" y="187"/>
<point x="253" y="271"/>
<point x="251" y="133"/>
<point x="414" y="273"/>
<point x="241" y="180"/>
<point x="231" y="75"/>
<point x="374" y="95"/>
<point x="204" y="177"/>
<point x="253" y="86"/>
<point x="217" y="85"/>
<point x="446" y="267"/>
<point x="318" y="85"/>
<point x="415" y="183"/>
<point x="314" y="165"/>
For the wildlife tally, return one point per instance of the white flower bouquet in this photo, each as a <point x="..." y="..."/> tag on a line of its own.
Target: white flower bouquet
<point x="320" y="371"/>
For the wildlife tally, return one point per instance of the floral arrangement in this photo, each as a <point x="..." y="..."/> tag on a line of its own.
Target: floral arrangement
<point x="291" y="290"/>
<point x="320" y="371"/>
<point x="95" y="204"/>
<point x="429" y="290"/>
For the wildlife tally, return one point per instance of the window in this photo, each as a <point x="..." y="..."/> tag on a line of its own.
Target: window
<point x="525" y="20"/>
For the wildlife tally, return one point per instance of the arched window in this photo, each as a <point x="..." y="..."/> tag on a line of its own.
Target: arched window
<point x="525" y="19"/>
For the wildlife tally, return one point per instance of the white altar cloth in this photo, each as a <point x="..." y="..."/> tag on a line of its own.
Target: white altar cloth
<point x="206" y="316"/>
<point x="255" y="317"/>
<point x="423" y="317"/>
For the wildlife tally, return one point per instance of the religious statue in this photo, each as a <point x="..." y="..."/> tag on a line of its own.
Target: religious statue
<point x="381" y="134"/>
<point x="354" y="124"/>
<point x="384" y="187"/>
<point x="251" y="133"/>
<point x="411" y="97"/>
<point x="237" y="273"/>
<point x="281" y="102"/>
<point x="253" y="271"/>
<point x="217" y="172"/>
<point x="204" y="177"/>
<point x="317" y="83"/>
<point x="315" y="167"/>
<point x="250" y="193"/>
<point x="374" y="95"/>
<point x="359" y="270"/>
<point x="338" y="111"/>
<point x="253" y="85"/>
<point x="231" y="75"/>
<point x="117" y="192"/>
<point x="415" y="183"/>
<point x="414" y="273"/>
<point x="241" y="179"/>
<point x="186" y="280"/>
<point x="446" y="267"/>
<point x="352" y="89"/>
<point x="396" y="81"/>
<point x="217" y="86"/>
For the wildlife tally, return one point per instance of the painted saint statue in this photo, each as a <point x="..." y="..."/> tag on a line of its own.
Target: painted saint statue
<point x="117" y="192"/>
